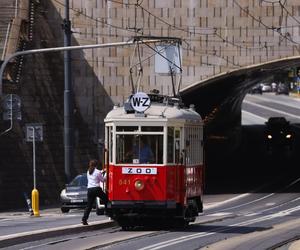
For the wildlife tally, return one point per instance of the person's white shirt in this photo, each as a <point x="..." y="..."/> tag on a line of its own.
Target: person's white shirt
<point x="95" y="178"/>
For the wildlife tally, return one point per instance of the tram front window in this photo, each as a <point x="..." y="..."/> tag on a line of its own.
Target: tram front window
<point x="140" y="149"/>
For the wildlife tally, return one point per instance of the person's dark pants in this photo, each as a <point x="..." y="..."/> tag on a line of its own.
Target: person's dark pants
<point x="91" y="197"/>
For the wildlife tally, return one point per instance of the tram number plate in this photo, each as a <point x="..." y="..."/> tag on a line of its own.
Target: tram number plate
<point x="139" y="170"/>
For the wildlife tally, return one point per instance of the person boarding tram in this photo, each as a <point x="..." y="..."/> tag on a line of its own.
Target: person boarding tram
<point x="95" y="177"/>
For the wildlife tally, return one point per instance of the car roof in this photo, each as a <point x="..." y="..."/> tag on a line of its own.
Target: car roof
<point x="277" y="120"/>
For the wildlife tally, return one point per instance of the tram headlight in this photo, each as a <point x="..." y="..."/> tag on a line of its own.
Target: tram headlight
<point x="139" y="185"/>
<point x="269" y="137"/>
<point x="288" y="136"/>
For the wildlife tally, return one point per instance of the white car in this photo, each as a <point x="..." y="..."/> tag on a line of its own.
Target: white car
<point x="266" y="88"/>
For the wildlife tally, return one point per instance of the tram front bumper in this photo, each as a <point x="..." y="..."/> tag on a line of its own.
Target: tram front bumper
<point x="141" y="205"/>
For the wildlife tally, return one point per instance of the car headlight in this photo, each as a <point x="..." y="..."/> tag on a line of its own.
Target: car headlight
<point x="63" y="194"/>
<point x="288" y="136"/>
<point x="269" y="136"/>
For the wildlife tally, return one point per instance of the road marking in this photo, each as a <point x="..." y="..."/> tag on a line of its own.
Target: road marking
<point x="222" y="229"/>
<point x="275" y="101"/>
<point x="271" y="109"/>
<point x="219" y="214"/>
<point x="270" y="204"/>
<point x="250" y="214"/>
<point x="217" y="204"/>
<point x="280" y="205"/>
<point x="256" y="116"/>
<point x="246" y="115"/>
<point x="250" y="202"/>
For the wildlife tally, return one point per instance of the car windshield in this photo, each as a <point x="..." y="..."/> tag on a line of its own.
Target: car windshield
<point x="79" y="180"/>
<point x="277" y="121"/>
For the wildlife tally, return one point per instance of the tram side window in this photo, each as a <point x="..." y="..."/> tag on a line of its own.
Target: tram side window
<point x="193" y="153"/>
<point x="110" y="141"/>
<point x="173" y="149"/>
<point x="178" y="158"/>
<point x="170" y="146"/>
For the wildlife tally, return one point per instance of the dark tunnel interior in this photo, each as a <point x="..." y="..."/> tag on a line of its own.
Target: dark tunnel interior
<point x="236" y="156"/>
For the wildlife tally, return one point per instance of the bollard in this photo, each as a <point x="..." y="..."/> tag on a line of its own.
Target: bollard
<point x="35" y="202"/>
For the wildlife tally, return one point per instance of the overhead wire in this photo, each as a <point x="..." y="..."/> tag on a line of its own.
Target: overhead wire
<point x="278" y="29"/>
<point x="138" y="4"/>
<point x="287" y="11"/>
<point x="187" y="29"/>
<point x="94" y="19"/>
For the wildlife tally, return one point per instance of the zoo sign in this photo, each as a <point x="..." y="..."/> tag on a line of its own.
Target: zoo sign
<point x="140" y="102"/>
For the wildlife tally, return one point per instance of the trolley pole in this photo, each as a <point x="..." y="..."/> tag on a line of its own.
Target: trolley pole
<point x="68" y="97"/>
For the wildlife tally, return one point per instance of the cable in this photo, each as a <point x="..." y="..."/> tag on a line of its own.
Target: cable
<point x="286" y="36"/>
<point x="114" y="1"/>
<point x="170" y="25"/>
<point x="225" y="59"/>
<point x="96" y="20"/>
<point x="192" y="33"/>
<point x="283" y="7"/>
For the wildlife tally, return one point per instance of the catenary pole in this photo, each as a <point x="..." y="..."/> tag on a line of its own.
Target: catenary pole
<point x="68" y="98"/>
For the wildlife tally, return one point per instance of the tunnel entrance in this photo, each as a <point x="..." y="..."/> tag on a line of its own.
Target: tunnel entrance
<point x="250" y="164"/>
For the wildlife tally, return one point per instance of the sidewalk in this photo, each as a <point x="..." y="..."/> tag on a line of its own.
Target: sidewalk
<point x="50" y="223"/>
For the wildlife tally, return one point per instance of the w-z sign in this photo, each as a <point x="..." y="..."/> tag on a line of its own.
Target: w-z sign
<point x="140" y="101"/>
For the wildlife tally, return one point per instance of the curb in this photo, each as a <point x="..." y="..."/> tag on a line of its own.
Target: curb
<point x="15" y="239"/>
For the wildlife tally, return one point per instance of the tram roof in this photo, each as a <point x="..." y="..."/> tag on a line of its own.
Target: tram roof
<point x="156" y="111"/>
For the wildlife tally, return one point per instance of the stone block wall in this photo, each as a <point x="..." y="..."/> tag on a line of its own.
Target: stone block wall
<point x="218" y="35"/>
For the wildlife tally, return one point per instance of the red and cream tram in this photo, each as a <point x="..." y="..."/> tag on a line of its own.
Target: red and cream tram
<point x="154" y="157"/>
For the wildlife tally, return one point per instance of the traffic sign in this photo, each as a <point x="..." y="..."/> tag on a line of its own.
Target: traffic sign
<point x="12" y="101"/>
<point x="34" y="130"/>
<point x="9" y="115"/>
<point x="140" y="102"/>
<point x="12" y="107"/>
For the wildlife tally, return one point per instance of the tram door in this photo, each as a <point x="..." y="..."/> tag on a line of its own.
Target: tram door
<point x="179" y="164"/>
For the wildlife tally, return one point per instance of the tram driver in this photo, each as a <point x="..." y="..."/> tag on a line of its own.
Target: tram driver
<point x="141" y="152"/>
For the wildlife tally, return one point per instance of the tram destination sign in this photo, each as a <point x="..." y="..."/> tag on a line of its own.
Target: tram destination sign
<point x="140" y="102"/>
<point x="128" y="170"/>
